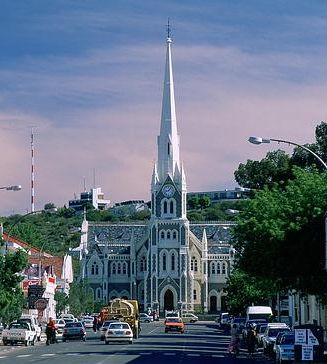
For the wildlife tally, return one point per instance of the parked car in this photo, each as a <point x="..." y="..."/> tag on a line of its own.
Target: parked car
<point x="74" y="330"/>
<point x="144" y="317"/>
<point x="270" y="334"/>
<point x="104" y="328"/>
<point x="119" y="331"/>
<point x="260" y="330"/>
<point x="189" y="317"/>
<point x="224" y="320"/>
<point x="174" y="324"/>
<point x="18" y="332"/>
<point x="284" y="348"/>
<point x="31" y="319"/>
<point x="59" y="324"/>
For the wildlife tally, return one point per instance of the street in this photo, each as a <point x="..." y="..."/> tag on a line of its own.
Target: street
<point x="201" y="343"/>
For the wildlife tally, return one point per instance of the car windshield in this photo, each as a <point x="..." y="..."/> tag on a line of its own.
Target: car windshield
<point x="118" y="326"/>
<point x="172" y="319"/>
<point x="107" y="323"/>
<point x="74" y="324"/>
<point x="275" y="332"/>
<point x="19" y="325"/>
<point x="287" y="340"/>
<point x="262" y="329"/>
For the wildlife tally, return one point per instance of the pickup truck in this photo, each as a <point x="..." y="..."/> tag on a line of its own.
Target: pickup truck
<point x="18" y="332"/>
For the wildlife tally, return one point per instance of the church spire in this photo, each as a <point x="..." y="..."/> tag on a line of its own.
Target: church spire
<point x="168" y="140"/>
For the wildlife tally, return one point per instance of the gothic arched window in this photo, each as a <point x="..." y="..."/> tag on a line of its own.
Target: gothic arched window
<point x="164" y="261"/>
<point x="125" y="268"/>
<point x="118" y="268"/>
<point x="218" y="268"/>
<point x="224" y="264"/>
<point x="162" y="234"/>
<point x="114" y="271"/>
<point x="171" y="207"/>
<point x="194" y="264"/>
<point x="94" y="269"/>
<point x="172" y="263"/>
<point x="174" y="235"/>
<point x="165" y="207"/>
<point x="213" y="268"/>
<point x="168" y="235"/>
<point x="143" y="264"/>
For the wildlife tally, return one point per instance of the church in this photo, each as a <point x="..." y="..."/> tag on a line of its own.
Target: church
<point x="167" y="262"/>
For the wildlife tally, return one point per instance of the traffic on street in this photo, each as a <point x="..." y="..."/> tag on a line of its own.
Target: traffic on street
<point x="202" y="342"/>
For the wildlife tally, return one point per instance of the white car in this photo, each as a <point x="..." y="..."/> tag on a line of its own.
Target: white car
<point x="144" y="317"/>
<point x="87" y="322"/>
<point x="119" y="332"/>
<point x="18" y="332"/>
<point x="189" y="317"/>
<point x="284" y="348"/>
<point x="59" y="324"/>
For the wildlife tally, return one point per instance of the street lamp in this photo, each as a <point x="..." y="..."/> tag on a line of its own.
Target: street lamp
<point x="12" y="188"/>
<point x="259" y="140"/>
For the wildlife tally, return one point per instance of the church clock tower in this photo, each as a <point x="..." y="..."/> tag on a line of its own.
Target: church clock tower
<point x="167" y="286"/>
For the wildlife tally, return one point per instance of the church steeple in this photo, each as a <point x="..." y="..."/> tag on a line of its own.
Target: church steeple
<point x="168" y="140"/>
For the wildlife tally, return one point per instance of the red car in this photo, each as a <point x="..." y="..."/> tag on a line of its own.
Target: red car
<point x="174" y="324"/>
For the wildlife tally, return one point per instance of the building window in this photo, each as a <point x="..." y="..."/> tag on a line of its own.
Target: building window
<point x="194" y="295"/>
<point x="165" y="207"/>
<point x="114" y="268"/>
<point x="125" y="268"/>
<point x="168" y="235"/>
<point x="143" y="264"/>
<point x="171" y="207"/>
<point x="223" y="268"/>
<point x="162" y="234"/>
<point x="174" y="235"/>
<point x="194" y="264"/>
<point x="218" y="268"/>
<point x="173" y="261"/>
<point x="118" y="268"/>
<point x="94" y="269"/>
<point x="164" y="261"/>
<point x="213" y="268"/>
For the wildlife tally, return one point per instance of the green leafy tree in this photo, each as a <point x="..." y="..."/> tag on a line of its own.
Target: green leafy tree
<point x="204" y="202"/>
<point x="244" y="290"/>
<point x="193" y="203"/>
<point x="280" y="233"/>
<point x="80" y="298"/>
<point x="61" y="302"/>
<point x="11" y="296"/>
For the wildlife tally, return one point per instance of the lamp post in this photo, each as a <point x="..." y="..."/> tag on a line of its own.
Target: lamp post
<point x="12" y="188"/>
<point x="259" y="140"/>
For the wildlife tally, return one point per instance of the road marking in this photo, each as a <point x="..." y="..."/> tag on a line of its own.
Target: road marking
<point x="23" y="355"/>
<point x="169" y="353"/>
<point x="48" y="354"/>
<point x="145" y="353"/>
<point x="218" y="356"/>
<point x="2" y="357"/>
<point x="193" y="354"/>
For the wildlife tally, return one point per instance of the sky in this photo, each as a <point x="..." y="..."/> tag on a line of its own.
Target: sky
<point x="87" y="75"/>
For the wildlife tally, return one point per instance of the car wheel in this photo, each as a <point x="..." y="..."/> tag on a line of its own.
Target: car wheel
<point x="106" y="342"/>
<point x="33" y="342"/>
<point x="39" y="338"/>
<point x="26" y="342"/>
<point x="5" y="343"/>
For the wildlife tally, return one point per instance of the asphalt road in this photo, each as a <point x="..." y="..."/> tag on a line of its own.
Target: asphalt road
<point x="201" y="343"/>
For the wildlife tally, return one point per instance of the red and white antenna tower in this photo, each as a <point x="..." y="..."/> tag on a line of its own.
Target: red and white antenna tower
<point x="32" y="172"/>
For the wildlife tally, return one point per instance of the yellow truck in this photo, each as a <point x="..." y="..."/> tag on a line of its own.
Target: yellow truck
<point x="123" y="310"/>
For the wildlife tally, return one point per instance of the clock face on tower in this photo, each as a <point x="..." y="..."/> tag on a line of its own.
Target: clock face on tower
<point x="168" y="190"/>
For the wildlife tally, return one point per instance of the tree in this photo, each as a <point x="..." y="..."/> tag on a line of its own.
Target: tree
<point x="80" y="298"/>
<point x="61" y="302"/>
<point x="275" y="167"/>
<point x="273" y="232"/>
<point x="204" y="202"/>
<point x="193" y="202"/>
<point x="244" y="290"/>
<point x="11" y="295"/>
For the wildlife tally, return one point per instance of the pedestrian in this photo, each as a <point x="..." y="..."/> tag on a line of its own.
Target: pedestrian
<point x="234" y="345"/>
<point x="95" y="324"/>
<point x="50" y="332"/>
<point x="251" y="339"/>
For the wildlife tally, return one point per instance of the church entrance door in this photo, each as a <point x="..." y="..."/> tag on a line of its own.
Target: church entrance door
<point x="213" y="303"/>
<point x="169" y="300"/>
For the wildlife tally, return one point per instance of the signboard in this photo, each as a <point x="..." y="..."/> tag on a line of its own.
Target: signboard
<point x="34" y="293"/>
<point x="300" y="336"/>
<point x="29" y="282"/>
<point x="307" y="352"/>
<point x="41" y="304"/>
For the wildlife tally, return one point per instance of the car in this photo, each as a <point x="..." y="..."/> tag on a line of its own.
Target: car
<point x="260" y="330"/>
<point x="249" y="324"/>
<point x="189" y="317"/>
<point x="239" y="322"/>
<point x="32" y="320"/>
<point x="284" y="348"/>
<point x="104" y="328"/>
<point x="87" y="322"/>
<point x="118" y="332"/>
<point x="144" y="317"/>
<point x="74" y="330"/>
<point x="59" y="324"/>
<point x="270" y="334"/>
<point x="174" y="324"/>
<point x="169" y="314"/>
<point x="224" y="320"/>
